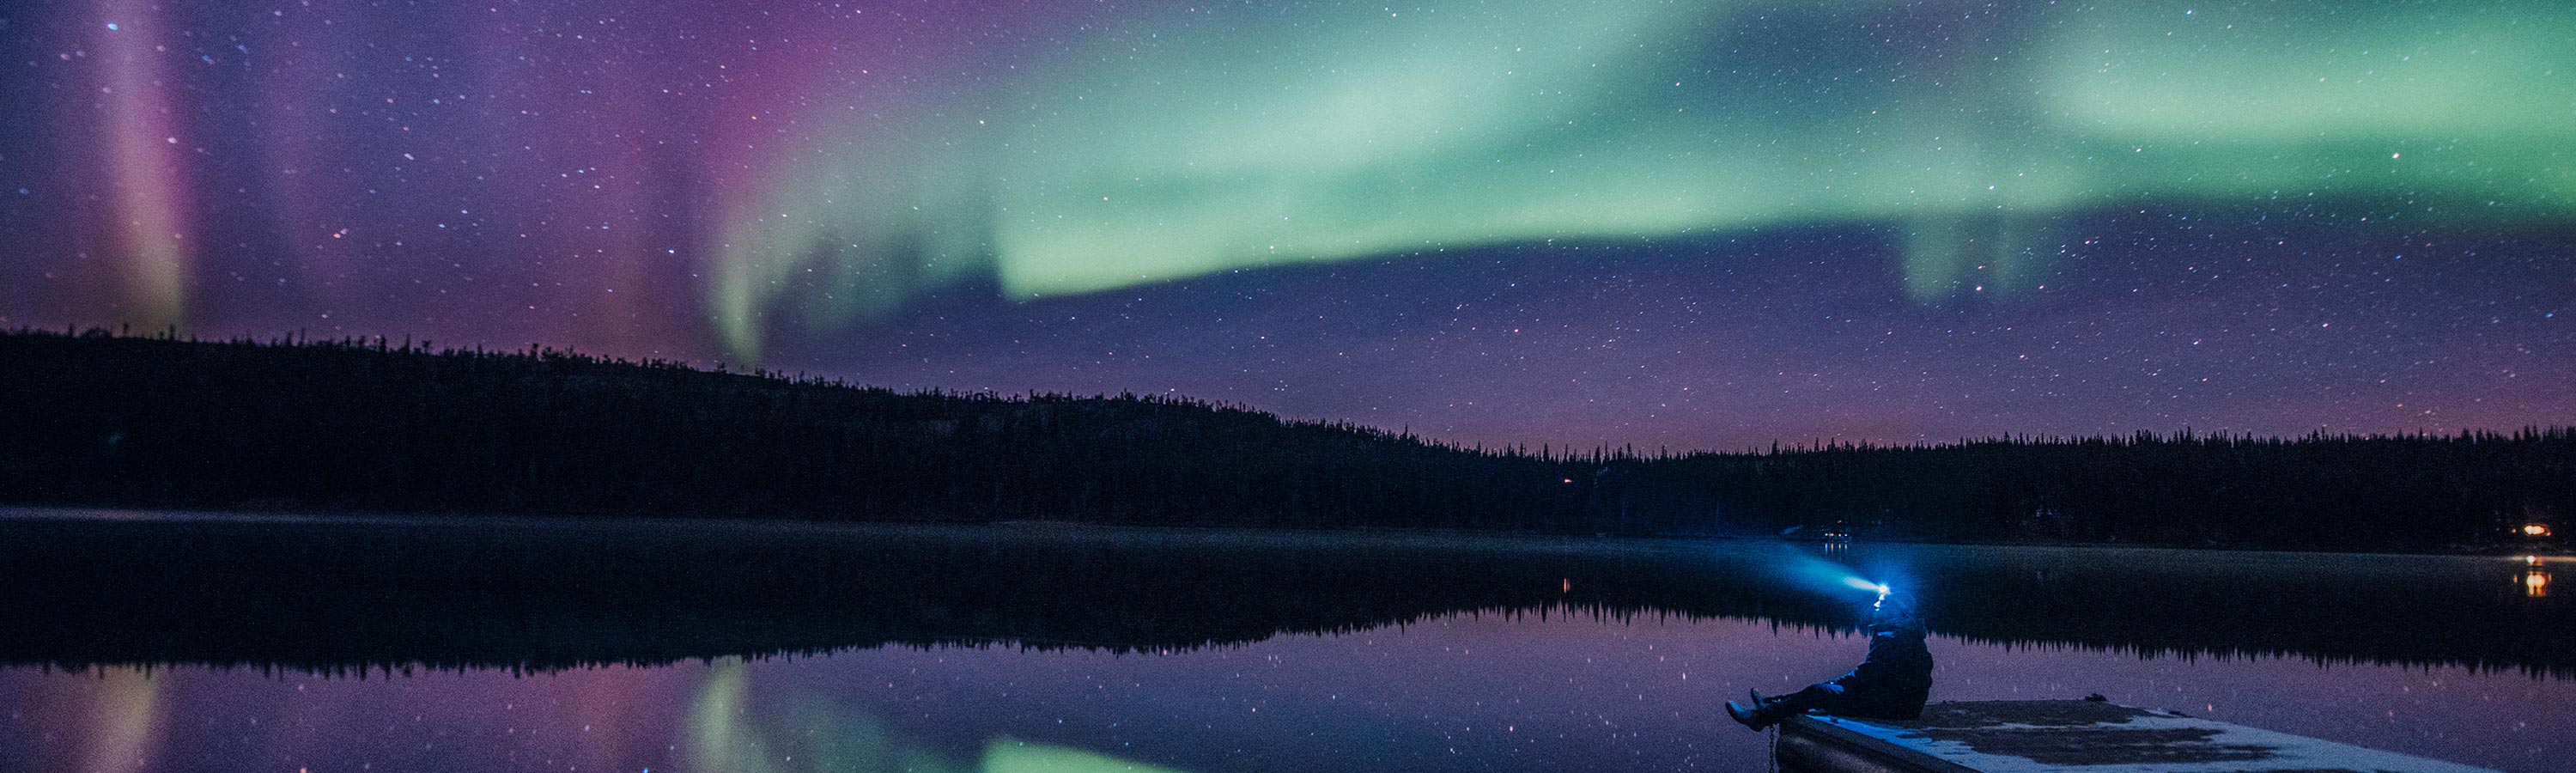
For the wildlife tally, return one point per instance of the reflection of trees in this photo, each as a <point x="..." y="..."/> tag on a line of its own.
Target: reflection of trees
<point x="360" y="596"/>
<point x="98" y="419"/>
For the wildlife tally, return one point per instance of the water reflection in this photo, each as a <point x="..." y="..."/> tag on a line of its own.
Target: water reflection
<point x="393" y="597"/>
<point x="821" y="733"/>
<point x="124" y="715"/>
<point x="1566" y="690"/>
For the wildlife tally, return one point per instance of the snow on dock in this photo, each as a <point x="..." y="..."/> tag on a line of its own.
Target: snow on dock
<point x="2069" y="736"/>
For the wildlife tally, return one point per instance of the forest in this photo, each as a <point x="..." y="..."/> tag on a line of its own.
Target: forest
<point x="99" y="419"/>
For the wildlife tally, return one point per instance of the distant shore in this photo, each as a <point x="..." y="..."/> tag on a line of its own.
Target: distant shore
<point x="367" y="426"/>
<point x="1075" y="533"/>
<point x="350" y="591"/>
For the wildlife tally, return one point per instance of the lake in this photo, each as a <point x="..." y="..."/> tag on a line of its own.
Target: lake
<point x="159" y="641"/>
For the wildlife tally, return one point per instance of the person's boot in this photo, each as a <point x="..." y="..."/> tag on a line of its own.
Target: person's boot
<point x="1750" y="718"/>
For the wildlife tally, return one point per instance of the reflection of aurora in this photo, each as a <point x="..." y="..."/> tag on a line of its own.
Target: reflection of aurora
<point x="126" y="712"/>
<point x="725" y="735"/>
<point x="1158" y="149"/>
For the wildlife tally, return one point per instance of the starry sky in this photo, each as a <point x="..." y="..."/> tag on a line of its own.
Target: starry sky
<point x="1676" y="225"/>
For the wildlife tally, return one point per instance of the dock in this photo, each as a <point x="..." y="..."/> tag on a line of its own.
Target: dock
<point x="2087" y="736"/>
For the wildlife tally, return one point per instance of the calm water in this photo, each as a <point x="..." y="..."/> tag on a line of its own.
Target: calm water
<point x="166" y="642"/>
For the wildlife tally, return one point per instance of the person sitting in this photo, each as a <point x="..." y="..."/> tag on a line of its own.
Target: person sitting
<point x="1891" y="683"/>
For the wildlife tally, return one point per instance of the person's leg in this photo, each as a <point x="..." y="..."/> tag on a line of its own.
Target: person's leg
<point x="1868" y="698"/>
<point x="1826" y="696"/>
<point x="1817" y="697"/>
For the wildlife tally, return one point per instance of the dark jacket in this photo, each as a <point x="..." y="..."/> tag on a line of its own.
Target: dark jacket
<point x="1895" y="679"/>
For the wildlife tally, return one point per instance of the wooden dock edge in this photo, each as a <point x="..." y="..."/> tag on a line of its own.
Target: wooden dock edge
<point x="1818" y="744"/>
<point x="2063" y="736"/>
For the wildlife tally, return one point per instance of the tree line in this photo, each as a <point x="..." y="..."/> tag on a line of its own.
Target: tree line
<point x="95" y="418"/>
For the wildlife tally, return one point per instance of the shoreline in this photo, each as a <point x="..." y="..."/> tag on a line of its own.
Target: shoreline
<point x="1204" y="536"/>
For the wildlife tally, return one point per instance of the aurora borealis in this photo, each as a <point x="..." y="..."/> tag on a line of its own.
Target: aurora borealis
<point x="1695" y="225"/>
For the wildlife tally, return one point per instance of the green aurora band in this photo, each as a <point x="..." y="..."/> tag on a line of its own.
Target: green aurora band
<point x="1164" y="146"/>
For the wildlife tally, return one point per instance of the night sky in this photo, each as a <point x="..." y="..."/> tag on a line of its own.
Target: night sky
<point x="1675" y="225"/>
